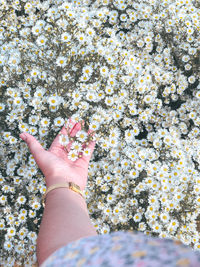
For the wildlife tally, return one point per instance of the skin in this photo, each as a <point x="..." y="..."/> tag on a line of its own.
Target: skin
<point x="65" y="217"/>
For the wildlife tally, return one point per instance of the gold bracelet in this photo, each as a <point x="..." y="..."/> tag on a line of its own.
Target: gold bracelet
<point x="69" y="185"/>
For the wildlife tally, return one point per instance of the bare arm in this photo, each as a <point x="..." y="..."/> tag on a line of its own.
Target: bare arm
<point x="65" y="219"/>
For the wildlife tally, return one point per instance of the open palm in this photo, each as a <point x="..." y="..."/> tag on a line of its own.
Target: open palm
<point x="54" y="162"/>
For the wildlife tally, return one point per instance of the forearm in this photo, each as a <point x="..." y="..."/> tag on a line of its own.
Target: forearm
<point x="65" y="219"/>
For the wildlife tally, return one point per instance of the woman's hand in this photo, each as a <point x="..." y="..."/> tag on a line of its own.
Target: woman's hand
<point x="54" y="162"/>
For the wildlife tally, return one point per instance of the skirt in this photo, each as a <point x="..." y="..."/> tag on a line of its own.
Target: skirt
<point x="123" y="248"/>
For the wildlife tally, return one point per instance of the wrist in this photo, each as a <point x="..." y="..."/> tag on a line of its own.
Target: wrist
<point x="65" y="196"/>
<point x="55" y="180"/>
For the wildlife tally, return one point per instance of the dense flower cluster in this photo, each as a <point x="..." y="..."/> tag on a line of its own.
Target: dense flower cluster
<point x="129" y="69"/>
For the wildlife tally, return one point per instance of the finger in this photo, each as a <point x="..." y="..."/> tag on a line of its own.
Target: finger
<point x="92" y="143"/>
<point x="33" y="145"/>
<point x="56" y="143"/>
<point x="75" y="129"/>
<point x="91" y="146"/>
<point x="73" y="132"/>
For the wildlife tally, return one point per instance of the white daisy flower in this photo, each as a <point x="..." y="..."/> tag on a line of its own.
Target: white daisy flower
<point x="65" y="37"/>
<point x="110" y="198"/>
<point x="173" y="225"/>
<point x="75" y="118"/>
<point x="76" y="95"/>
<point x="8" y="245"/>
<point x="82" y="51"/>
<point x="42" y="75"/>
<point x="32" y="213"/>
<point x="72" y="155"/>
<point x="188" y="66"/>
<point x="197" y="246"/>
<point x="33" y="119"/>
<point x="109" y="90"/>
<point x="140" y="43"/>
<point x="94" y="125"/>
<point x="64" y="140"/>
<point x="91" y="96"/>
<point x="139" y="165"/>
<point x="14" y="60"/>
<point x="81" y="37"/>
<point x="11" y="231"/>
<point x="137" y="217"/>
<point x="157" y="228"/>
<point x="54" y="100"/>
<point x="3" y="200"/>
<point x="116" y="211"/>
<point x="133" y="173"/>
<point x="21" y="200"/>
<point x="2" y="224"/>
<point x="167" y="139"/>
<point x="32" y="130"/>
<point x="142" y="226"/>
<point x="19" y="249"/>
<point x="45" y="122"/>
<point x="90" y="31"/>
<point x="61" y="61"/>
<point x="66" y="6"/>
<point x="191" y="79"/>
<point x="35" y="205"/>
<point x="164" y="217"/>
<point x="84" y="78"/>
<point x="12" y="140"/>
<point x="136" y="130"/>
<point x="76" y="146"/>
<point x="22" y="218"/>
<point x="10" y="219"/>
<point x="17" y="101"/>
<point x="133" y="202"/>
<point x="28" y="6"/>
<point x="107" y="210"/>
<point x="190" y="30"/>
<point x="87" y="151"/>
<point x="113" y="142"/>
<point x="109" y="101"/>
<point x="105" y="229"/>
<point x="32" y="236"/>
<point x="6" y="188"/>
<point x="43" y="131"/>
<point x="41" y="23"/>
<point x="2" y="60"/>
<point x="104" y="71"/>
<point x="133" y="110"/>
<point x="22" y="233"/>
<point x="129" y="135"/>
<point x="117" y="115"/>
<point x="148" y="99"/>
<point x="23" y="211"/>
<point x="59" y="121"/>
<point x="87" y="70"/>
<point x="39" y="93"/>
<point x="2" y="107"/>
<point x="41" y="40"/>
<point x="81" y="136"/>
<point x="99" y="181"/>
<point x="34" y="73"/>
<point x="157" y="143"/>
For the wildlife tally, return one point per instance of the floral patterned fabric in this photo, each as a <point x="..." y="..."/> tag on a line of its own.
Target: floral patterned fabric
<point x="123" y="248"/>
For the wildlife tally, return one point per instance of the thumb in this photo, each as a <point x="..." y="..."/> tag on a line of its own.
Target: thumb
<point x="33" y="144"/>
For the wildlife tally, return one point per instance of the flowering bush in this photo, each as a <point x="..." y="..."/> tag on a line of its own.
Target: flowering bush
<point x="129" y="69"/>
